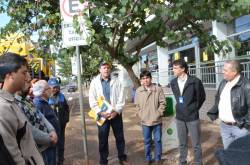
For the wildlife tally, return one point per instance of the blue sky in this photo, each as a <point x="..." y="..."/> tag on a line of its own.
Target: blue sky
<point x="4" y="19"/>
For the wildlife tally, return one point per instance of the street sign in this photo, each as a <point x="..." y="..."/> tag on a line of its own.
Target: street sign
<point x="68" y="9"/>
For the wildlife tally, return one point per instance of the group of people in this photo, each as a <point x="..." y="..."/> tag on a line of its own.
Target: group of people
<point x="232" y="107"/>
<point x="33" y="116"/>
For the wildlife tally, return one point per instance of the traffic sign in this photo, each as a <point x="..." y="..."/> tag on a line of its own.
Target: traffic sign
<point x="68" y="9"/>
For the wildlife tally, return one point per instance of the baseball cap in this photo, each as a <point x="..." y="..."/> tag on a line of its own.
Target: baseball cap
<point x="104" y="62"/>
<point x="53" y="82"/>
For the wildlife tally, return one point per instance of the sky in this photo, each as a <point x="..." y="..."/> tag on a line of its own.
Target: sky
<point x="4" y="19"/>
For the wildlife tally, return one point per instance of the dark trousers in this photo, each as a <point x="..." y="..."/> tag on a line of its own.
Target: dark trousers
<point x="61" y="142"/>
<point x="103" y="134"/>
<point x="49" y="156"/>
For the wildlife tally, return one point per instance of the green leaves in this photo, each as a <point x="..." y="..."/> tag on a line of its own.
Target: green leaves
<point x="111" y="22"/>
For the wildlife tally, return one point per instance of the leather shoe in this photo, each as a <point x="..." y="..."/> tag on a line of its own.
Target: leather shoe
<point x="158" y="162"/>
<point x="147" y="162"/>
<point x="124" y="162"/>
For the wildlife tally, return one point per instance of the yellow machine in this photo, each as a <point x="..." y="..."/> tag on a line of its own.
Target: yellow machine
<point x="16" y="43"/>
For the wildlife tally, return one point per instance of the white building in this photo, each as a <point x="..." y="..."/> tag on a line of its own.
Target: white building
<point x="206" y="67"/>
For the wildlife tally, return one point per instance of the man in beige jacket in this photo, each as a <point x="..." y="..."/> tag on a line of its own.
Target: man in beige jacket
<point x="14" y="127"/>
<point x="150" y="103"/>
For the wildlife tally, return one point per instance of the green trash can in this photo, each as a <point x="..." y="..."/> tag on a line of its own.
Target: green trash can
<point x="169" y="110"/>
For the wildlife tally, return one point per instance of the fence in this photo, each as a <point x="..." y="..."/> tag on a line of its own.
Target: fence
<point x="210" y="73"/>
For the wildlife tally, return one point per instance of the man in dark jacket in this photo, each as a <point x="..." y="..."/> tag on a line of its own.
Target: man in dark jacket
<point x="232" y="104"/>
<point x="60" y="106"/>
<point x="190" y="95"/>
<point x="42" y="92"/>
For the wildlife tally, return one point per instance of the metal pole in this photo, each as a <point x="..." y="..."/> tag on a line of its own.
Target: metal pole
<point x="84" y="133"/>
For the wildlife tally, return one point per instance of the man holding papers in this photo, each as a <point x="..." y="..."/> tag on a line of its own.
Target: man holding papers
<point x="111" y="91"/>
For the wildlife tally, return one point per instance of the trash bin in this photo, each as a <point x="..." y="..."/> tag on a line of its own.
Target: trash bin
<point x="169" y="110"/>
<point x="169" y="130"/>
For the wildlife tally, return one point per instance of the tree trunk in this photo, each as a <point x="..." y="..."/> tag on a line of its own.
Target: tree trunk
<point x="135" y="80"/>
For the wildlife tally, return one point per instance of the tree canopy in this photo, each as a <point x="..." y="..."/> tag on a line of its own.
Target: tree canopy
<point x="114" y="23"/>
<point x="117" y="22"/>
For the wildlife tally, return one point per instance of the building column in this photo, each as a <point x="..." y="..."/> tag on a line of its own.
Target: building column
<point x="221" y="31"/>
<point x="162" y="54"/>
<point x="197" y="59"/>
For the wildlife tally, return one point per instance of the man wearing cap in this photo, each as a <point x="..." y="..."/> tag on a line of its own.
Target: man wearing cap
<point x="60" y="106"/>
<point x="111" y="89"/>
<point x="14" y="127"/>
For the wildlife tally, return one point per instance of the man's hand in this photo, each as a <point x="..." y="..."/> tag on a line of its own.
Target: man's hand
<point x="105" y="115"/>
<point x="53" y="137"/>
<point x="113" y="115"/>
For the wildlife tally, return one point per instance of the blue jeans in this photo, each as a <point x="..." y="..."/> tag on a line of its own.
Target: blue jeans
<point x="103" y="134"/>
<point x="147" y="134"/>
<point x="49" y="156"/>
<point x="230" y="133"/>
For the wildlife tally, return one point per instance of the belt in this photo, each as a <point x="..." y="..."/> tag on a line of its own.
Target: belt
<point x="230" y="123"/>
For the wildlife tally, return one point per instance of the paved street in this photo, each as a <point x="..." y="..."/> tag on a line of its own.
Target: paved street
<point x="74" y="154"/>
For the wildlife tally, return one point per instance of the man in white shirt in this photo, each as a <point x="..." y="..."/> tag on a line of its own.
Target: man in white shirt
<point x="232" y="104"/>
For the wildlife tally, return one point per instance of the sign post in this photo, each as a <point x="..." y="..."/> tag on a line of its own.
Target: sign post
<point x="68" y="9"/>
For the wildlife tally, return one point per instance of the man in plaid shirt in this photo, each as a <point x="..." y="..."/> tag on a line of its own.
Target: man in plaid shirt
<point x="43" y="132"/>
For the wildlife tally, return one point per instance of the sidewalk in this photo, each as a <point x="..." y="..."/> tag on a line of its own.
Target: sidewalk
<point x="134" y="142"/>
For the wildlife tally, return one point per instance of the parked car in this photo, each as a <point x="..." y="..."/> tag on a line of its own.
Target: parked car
<point x="72" y="87"/>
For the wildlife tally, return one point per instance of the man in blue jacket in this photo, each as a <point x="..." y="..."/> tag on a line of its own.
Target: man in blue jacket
<point x="60" y="106"/>
<point x="190" y="95"/>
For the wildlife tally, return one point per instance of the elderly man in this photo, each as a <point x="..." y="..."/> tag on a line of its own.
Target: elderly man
<point x="42" y="92"/>
<point x="232" y="104"/>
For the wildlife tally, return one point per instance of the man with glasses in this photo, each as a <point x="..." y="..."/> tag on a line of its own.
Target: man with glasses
<point x="42" y="92"/>
<point x="190" y="95"/>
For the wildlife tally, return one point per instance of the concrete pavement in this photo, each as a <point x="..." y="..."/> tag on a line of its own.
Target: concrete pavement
<point x="134" y="142"/>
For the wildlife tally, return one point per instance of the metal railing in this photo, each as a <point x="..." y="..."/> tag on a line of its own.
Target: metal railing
<point x="210" y="73"/>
